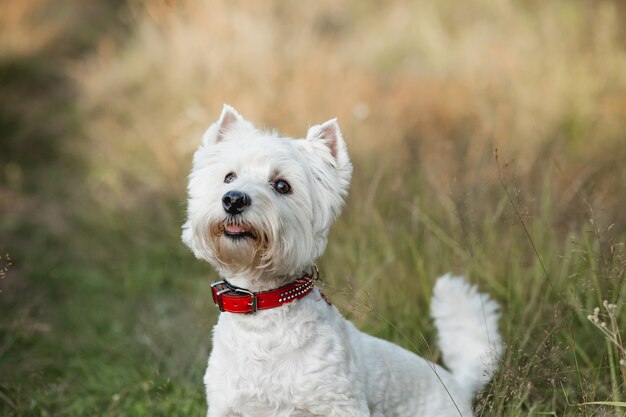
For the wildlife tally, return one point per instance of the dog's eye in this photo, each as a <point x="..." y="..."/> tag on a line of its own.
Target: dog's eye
<point x="281" y="186"/>
<point x="230" y="177"/>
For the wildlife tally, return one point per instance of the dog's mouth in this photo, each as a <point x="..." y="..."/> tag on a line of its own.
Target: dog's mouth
<point x="238" y="231"/>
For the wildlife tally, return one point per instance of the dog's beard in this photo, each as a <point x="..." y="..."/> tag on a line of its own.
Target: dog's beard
<point x="255" y="244"/>
<point x="238" y="245"/>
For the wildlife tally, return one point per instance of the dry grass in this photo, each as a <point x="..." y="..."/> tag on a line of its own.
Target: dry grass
<point x="541" y="82"/>
<point x="24" y="28"/>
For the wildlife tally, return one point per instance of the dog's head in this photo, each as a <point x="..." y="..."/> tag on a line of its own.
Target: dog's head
<point x="262" y="204"/>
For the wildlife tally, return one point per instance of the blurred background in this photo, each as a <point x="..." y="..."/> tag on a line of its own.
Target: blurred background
<point x="488" y="139"/>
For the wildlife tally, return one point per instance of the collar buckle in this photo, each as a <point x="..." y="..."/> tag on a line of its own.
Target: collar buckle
<point x="223" y="287"/>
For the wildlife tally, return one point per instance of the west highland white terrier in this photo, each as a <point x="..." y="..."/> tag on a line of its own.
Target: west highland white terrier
<point x="260" y="207"/>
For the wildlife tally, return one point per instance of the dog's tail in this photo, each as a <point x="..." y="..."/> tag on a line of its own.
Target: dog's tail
<point x="467" y="323"/>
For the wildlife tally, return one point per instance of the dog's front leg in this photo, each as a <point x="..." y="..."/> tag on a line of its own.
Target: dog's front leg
<point x="356" y="409"/>
<point x="213" y="412"/>
<point x="349" y="413"/>
<point x="221" y="412"/>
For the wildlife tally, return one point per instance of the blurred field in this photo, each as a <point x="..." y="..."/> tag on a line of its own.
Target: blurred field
<point x="104" y="312"/>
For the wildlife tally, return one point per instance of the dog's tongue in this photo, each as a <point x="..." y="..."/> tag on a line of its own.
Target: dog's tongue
<point x="231" y="228"/>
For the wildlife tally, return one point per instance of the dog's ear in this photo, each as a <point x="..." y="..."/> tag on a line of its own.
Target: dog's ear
<point x="331" y="167"/>
<point x="329" y="134"/>
<point x="327" y="137"/>
<point x="229" y="119"/>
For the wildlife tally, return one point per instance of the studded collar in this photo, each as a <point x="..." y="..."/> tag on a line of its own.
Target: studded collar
<point x="232" y="299"/>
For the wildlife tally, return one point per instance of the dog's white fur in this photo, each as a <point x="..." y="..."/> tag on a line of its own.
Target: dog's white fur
<point x="304" y="358"/>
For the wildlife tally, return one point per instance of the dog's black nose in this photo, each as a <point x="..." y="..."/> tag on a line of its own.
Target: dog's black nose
<point x="235" y="202"/>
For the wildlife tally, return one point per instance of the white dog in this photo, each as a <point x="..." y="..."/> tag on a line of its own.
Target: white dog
<point x="260" y="207"/>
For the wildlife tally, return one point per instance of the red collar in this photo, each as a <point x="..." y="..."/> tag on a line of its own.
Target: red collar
<point x="233" y="299"/>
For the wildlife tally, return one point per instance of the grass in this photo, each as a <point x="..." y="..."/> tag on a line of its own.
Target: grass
<point x="104" y="312"/>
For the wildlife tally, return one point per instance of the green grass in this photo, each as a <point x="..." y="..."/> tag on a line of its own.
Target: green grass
<point x="103" y="311"/>
<point x="114" y="324"/>
<point x="114" y="317"/>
